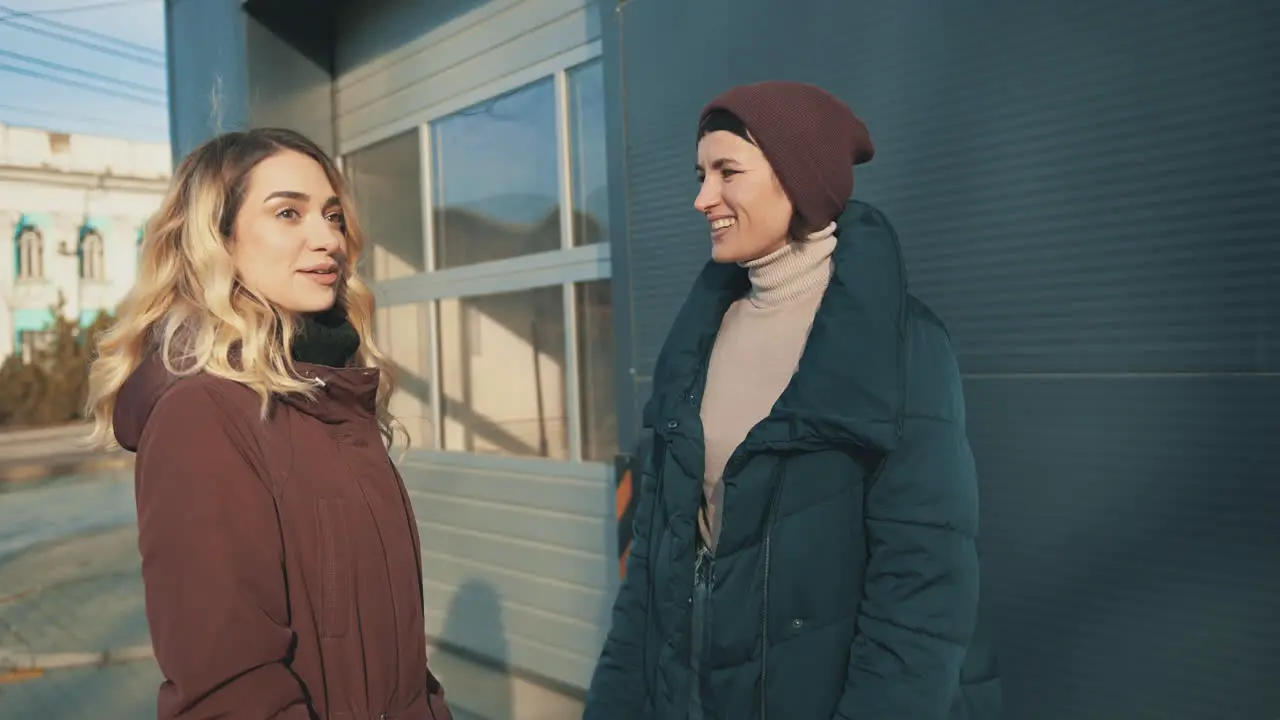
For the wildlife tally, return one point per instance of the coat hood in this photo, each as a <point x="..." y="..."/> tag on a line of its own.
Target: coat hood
<point x="137" y="398"/>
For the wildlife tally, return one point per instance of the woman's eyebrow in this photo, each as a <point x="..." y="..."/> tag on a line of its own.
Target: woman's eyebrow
<point x="288" y="194"/>
<point x="719" y="164"/>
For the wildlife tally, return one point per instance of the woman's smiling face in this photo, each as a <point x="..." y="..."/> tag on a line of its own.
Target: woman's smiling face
<point x="748" y="211"/>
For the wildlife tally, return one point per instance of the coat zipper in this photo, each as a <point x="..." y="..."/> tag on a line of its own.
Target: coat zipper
<point x="764" y="605"/>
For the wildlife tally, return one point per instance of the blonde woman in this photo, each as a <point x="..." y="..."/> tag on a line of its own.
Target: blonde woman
<point x="279" y="549"/>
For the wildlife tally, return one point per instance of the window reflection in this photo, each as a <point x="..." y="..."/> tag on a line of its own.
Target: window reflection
<point x="594" y="306"/>
<point x="386" y="181"/>
<point x="590" y="163"/>
<point x="503" y="373"/>
<point x="496" y="178"/>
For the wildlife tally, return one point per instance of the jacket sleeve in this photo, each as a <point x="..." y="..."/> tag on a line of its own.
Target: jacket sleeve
<point x="618" y="685"/>
<point x="920" y="594"/>
<point x="212" y="565"/>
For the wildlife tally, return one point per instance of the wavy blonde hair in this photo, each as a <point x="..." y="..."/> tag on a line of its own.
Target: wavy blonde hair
<point x="190" y="305"/>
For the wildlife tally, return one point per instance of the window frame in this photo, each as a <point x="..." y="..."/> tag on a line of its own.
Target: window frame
<point x="566" y="266"/>
<point x="30" y="254"/>
<point x="93" y="269"/>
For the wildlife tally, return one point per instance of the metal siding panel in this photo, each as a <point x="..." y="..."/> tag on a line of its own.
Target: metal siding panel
<point x="499" y="45"/>
<point x="1131" y="552"/>
<point x="1086" y="194"/>
<point x="516" y="559"/>
<point x="464" y="614"/>
<point x="581" y="568"/>
<point x="437" y="53"/>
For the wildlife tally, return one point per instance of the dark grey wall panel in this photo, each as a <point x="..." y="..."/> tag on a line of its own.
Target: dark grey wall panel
<point x="1086" y="193"/>
<point x="1130" y="544"/>
<point x="1081" y="186"/>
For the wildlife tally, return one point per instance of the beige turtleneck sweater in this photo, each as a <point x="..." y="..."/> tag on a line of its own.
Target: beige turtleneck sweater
<point x="757" y="350"/>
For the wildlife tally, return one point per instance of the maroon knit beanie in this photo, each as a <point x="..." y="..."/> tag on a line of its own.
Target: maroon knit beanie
<point x="809" y="136"/>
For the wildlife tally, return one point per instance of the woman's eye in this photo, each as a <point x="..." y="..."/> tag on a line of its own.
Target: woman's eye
<point x="288" y="214"/>
<point x="335" y="218"/>
<point x="726" y="174"/>
<point x="701" y="179"/>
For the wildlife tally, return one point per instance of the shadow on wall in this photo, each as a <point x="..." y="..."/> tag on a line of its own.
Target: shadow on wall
<point x="475" y="622"/>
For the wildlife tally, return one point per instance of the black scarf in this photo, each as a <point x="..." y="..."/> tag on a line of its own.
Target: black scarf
<point x="327" y="339"/>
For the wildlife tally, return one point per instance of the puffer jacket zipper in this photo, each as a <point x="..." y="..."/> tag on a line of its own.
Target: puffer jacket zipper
<point x="778" y="479"/>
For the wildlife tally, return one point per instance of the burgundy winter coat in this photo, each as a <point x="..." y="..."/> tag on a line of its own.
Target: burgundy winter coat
<point x="281" y="558"/>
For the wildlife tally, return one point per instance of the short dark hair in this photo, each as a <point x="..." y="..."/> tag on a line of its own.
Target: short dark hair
<point x="723" y="120"/>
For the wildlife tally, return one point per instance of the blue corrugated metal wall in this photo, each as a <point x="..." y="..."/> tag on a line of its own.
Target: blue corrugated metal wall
<point x="1087" y="195"/>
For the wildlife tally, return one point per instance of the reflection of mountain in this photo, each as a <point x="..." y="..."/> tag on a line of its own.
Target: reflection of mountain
<point x="530" y="208"/>
<point x="465" y="236"/>
<point x="515" y="208"/>
<point x="597" y="202"/>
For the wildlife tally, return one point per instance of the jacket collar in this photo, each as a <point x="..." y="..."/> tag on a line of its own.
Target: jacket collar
<point x="849" y="385"/>
<point x="343" y="395"/>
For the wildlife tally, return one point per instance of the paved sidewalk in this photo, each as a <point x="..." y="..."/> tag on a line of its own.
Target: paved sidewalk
<point x="64" y="604"/>
<point x="27" y="455"/>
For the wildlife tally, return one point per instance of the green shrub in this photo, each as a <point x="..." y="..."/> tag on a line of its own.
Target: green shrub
<point x="52" y="388"/>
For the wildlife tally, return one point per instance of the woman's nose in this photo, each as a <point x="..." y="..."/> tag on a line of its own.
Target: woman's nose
<point x="707" y="198"/>
<point x="323" y="236"/>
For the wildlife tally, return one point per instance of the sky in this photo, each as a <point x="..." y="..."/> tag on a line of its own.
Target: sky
<point x="110" y="52"/>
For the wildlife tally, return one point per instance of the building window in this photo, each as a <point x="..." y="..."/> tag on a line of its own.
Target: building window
<point x="93" y="258"/>
<point x="496" y="178"/>
<point x="386" y="179"/>
<point x="590" y="166"/>
<point x="502" y="373"/>
<point x="30" y="250"/>
<point x="503" y="341"/>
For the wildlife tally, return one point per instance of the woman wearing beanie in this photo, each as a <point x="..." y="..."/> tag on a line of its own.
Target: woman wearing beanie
<point x="804" y="547"/>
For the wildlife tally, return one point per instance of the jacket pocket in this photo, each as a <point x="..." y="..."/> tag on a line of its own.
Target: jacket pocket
<point x="335" y="567"/>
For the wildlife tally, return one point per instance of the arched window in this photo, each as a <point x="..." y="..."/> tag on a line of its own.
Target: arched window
<point x="93" y="259"/>
<point x="30" y="254"/>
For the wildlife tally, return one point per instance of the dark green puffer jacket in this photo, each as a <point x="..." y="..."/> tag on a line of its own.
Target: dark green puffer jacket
<point x="846" y="574"/>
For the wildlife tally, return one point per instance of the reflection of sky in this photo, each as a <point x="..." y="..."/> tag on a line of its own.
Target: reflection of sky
<point x="499" y="157"/>
<point x="590" y="167"/>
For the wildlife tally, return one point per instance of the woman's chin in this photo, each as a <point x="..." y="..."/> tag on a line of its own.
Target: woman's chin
<point x="725" y="253"/>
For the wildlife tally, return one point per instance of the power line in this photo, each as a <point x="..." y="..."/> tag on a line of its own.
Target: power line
<point x="89" y="46"/>
<point x="78" y="36"/>
<point x="42" y="112"/>
<point x="74" y="8"/>
<point x="84" y="86"/>
<point x="83" y="73"/>
<point x="39" y="17"/>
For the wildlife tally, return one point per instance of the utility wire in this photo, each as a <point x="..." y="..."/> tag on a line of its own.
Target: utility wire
<point x="58" y="114"/>
<point x="74" y="8"/>
<point x="39" y="17"/>
<point x="84" y="86"/>
<point x="127" y="50"/>
<point x="83" y="73"/>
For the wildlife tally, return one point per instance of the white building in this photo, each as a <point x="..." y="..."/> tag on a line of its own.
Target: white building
<point x="72" y="209"/>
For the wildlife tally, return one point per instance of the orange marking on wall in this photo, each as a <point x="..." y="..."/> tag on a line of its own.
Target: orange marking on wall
<point x="623" y="495"/>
